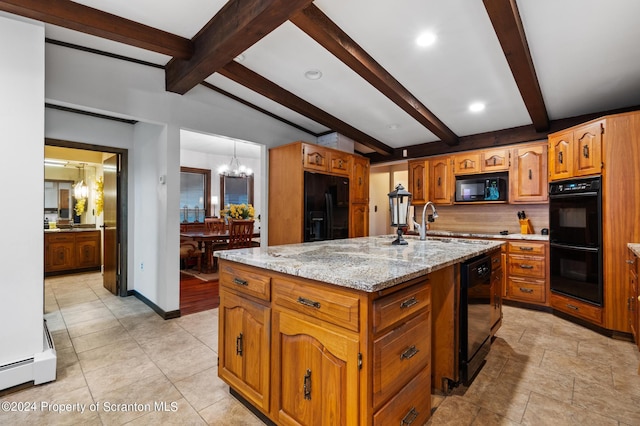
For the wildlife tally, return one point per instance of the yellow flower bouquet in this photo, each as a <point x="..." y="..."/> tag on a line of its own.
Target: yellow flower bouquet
<point x="239" y="211"/>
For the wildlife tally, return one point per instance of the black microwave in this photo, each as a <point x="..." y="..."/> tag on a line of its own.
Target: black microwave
<point x="482" y="188"/>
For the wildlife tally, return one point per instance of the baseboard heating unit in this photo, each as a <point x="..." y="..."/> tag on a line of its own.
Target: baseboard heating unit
<point x="39" y="369"/>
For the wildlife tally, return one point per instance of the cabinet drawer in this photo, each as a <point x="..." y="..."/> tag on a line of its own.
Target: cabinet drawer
<point x="576" y="308"/>
<point x="527" y="290"/>
<point x="397" y="306"/>
<point x="399" y="355"/>
<point x="87" y="236"/>
<point x="412" y="405"/>
<point x="340" y="164"/>
<point x="60" y="238"/>
<point x="245" y="281"/>
<point x="527" y="266"/>
<point x="528" y="248"/>
<point x="496" y="260"/>
<point x="325" y="304"/>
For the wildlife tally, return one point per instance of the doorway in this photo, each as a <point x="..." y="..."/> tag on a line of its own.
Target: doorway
<point x="109" y="214"/>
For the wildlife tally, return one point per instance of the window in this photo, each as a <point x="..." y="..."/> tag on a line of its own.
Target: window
<point x="236" y="189"/>
<point x="195" y="187"/>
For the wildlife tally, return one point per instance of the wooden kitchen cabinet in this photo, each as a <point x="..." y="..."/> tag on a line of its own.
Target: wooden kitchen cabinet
<point x="527" y="272"/>
<point x="72" y="251"/>
<point x="304" y="352"/>
<point x="315" y="372"/>
<point x="467" y="163"/>
<point x="359" y="220"/>
<point x="287" y="164"/>
<point x="419" y="181"/>
<point x="441" y="180"/>
<point x="244" y="362"/>
<point x="576" y="152"/>
<point x="528" y="174"/>
<point x="495" y="160"/>
<point x="315" y="157"/>
<point x="359" y="182"/>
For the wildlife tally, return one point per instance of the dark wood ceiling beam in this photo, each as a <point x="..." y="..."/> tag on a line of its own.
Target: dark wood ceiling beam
<point x="235" y="28"/>
<point x="77" y="17"/>
<point x="244" y="76"/>
<point x="318" y="26"/>
<point x="507" y="24"/>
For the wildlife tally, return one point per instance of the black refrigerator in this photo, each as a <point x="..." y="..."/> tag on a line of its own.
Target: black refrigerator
<point x="326" y="207"/>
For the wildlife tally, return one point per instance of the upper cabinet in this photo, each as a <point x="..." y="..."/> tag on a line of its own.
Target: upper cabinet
<point x="576" y="152"/>
<point x="360" y="180"/>
<point x="467" y="163"/>
<point x="528" y="174"/>
<point x="495" y="160"/>
<point x="441" y="180"/>
<point x="315" y="157"/>
<point x="418" y="181"/>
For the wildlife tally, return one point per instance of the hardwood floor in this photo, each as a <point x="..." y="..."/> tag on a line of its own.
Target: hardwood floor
<point x="197" y="295"/>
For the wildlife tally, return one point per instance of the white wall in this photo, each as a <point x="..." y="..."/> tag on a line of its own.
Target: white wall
<point x="22" y="174"/>
<point x="114" y="87"/>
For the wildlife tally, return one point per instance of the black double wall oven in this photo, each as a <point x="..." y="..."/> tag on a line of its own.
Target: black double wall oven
<point x="575" y="236"/>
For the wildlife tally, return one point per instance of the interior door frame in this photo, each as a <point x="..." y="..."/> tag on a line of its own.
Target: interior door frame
<point x="122" y="189"/>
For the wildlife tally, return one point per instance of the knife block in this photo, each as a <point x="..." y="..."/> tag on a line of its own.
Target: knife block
<point x="525" y="226"/>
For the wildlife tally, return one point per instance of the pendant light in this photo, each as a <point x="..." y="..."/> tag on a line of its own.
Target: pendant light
<point x="80" y="189"/>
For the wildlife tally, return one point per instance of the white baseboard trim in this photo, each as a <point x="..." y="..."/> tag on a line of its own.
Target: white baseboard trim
<point x="39" y="369"/>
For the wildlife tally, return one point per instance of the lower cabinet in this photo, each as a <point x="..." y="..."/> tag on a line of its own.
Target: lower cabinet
<point x="497" y="278"/>
<point x="74" y="250"/>
<point x="308" y="353"/>
<point x="244" y="355"/>
<point x="527" y="272"/>
<point x="316" y="373"/>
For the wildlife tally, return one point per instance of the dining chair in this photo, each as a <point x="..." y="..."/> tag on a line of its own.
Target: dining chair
<point x="214" y="224"/>
<point x="240" y="233"/>
<point x="189" y="251"/>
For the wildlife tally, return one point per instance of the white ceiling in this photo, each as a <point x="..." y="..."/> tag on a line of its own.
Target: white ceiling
<point x="585" y="53"/>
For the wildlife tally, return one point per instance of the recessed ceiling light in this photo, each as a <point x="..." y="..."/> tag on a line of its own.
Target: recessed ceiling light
<point x="313" y="74"/>
<point x="476" y="107"/>
<point x="426" y="39"/>
<point x="393" y="126"/>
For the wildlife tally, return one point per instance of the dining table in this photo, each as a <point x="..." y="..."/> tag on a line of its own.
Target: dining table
<point x="208" y="239"/>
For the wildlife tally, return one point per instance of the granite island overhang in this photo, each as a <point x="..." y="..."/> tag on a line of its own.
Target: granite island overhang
<point x="368" y="264"/>
<point x="350" y="330"/>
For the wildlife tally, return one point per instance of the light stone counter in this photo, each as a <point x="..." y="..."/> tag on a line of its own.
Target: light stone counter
<point x="368" y="264"/>
<point x="635" y="248"/>
<point x="530" y="237"/>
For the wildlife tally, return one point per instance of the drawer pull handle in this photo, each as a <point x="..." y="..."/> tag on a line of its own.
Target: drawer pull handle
<point x="409" y="353"/>
<point x="411" y="416"/>
<point x="526" y="290"/>
<point x="308" y="302"/>
<point x="523" y="266"/>
<point x="306" y="385"/>
<point x="239" y="345"/>
<point x="574" y="307"/>
<point x="240" y="281"/>
<point x="526" y="248"/>
<point x="496" y="260"/>
<point x="409" y="303"/>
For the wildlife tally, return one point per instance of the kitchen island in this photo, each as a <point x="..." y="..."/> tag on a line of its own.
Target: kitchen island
<point x="72" y="250"/>
<point x="351" y="331"/>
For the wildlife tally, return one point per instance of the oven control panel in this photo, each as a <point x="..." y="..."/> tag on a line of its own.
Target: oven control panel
<point x="573" y="186"/>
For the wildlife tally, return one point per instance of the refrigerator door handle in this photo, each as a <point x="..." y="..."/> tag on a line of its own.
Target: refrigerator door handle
<point x="329" y="207"/>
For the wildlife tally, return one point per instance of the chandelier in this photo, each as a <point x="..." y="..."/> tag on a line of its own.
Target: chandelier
<point x="234" y="168"/>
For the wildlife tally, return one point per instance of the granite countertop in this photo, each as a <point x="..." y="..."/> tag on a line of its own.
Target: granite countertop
<point x="530" y="237"/>
<point x="368" y="264"/>
<point x="635" y="247"/>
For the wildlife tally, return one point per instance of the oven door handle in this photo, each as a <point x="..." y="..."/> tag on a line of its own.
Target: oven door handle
<point x="576" y="248"/>
<point x="576" y="194"/>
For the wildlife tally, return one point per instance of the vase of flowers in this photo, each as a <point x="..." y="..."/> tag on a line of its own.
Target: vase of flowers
<point x="238" y="211"/>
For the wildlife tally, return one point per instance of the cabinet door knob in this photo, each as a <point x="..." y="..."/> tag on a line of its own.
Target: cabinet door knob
<point x="411" y="416"/>
<point x="585" y="151"/>
<point x="560" y="157"/>
<point x="306" y="385"/>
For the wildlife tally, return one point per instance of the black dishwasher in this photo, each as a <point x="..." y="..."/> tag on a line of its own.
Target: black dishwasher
<point x="475" y="315"/>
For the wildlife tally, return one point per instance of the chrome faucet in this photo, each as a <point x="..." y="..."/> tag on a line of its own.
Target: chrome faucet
<point x="422" y="229"/>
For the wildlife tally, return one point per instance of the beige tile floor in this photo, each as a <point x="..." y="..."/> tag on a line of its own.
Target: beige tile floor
<point x="116" y="352"/>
